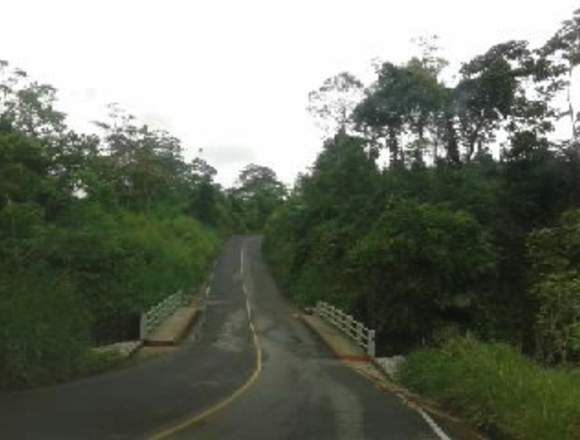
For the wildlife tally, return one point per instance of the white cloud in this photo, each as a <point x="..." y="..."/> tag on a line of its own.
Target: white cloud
<point x="228" y="154"/>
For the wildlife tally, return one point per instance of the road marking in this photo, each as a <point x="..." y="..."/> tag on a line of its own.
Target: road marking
<point x="221" y="405"/>
<point x="434" y="426"/>
<point x="242" y="261"/>
<point x="414" y="406"/>
<point x="347" y="360"/>
<point x="249" y="310"/>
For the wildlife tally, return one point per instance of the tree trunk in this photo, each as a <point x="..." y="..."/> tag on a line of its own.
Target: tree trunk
<point x="451" y="141"/>
<point x="395" y="160"/>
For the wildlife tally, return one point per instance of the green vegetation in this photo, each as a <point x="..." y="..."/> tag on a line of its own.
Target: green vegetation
<point x="470" y="227"/>
<point x="497" y="388"/>
<point x="95" y="230"/>
<point x="256" y="196"/>
<point x="554" y="254"/>
<point x="472" y="224"/>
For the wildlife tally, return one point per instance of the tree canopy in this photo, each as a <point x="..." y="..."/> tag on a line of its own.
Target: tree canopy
<point x="470" y="226"/>
<point x="95" y="229"/>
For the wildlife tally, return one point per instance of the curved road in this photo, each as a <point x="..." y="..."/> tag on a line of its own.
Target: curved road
<point x="218" y="386"/>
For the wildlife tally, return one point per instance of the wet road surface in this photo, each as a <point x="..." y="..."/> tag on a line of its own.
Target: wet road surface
<point x="298" y="391"/>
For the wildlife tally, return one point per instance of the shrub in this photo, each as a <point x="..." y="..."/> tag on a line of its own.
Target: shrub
<point x="555" y="274"/>
<point x="421" y="263"/>
<point x="125" y="263"/>
<point x="44" y="332"/>
<point x="499" y="389"/>
<point x="85" y="285"/>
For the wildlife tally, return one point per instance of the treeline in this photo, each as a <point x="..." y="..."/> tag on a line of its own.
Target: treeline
<point x="472" y="227"/>
<point x="96" y="229"/>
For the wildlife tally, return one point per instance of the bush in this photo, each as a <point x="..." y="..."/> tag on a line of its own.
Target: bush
<point x="125" y="263"/>
<point x="310" y="268"/>
<point x="498" y="389"/>
<point x="555" y="276"/>
<point x="86" y="284"/>
<point x="422" y="264"/>
<point x="44" y="333"/>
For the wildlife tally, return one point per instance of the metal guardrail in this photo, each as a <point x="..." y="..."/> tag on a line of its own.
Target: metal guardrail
<point x="356" y="330"/>
<point x="151" y="319"/>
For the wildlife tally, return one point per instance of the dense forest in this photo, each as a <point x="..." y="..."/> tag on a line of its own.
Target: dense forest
<point x="446" y="215"/>
<point x="473" y="224"/>
<point x="96" y="229"/>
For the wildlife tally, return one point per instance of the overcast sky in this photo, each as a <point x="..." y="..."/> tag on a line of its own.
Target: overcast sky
<point x="232" y="77"/>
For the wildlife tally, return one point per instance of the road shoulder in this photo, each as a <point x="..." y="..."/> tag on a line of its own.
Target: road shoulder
<point x="354" y="357"/>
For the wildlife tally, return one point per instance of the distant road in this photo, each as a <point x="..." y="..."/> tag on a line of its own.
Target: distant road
<point x="278" y="382"/>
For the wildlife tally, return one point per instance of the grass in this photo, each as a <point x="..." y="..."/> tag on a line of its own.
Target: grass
<point x="498" y="389"/>
<point x="95" y="363"/>
<point x="89" y="364"/>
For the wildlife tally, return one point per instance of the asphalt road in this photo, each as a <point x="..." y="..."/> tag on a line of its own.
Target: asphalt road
<point x="217" y="386"/>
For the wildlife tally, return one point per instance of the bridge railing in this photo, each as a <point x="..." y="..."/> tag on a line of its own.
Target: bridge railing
<point x="151" y="319"/>
<point x="346" y="323"/>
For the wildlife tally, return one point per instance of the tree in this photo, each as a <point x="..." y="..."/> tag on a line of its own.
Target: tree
<point x="564" y="46"/>
<point x="205" y="193"/>
<point x="555" y="275"/>
<point x="405" y="99"/>
<point x="392" y="246"/>
<point x="28" y="106"/>
<point x="145" y="164"/>
<point x="257" y="194"/>
<point x="430" y="60"/>
<point x="418" y="271"/>
<point x="333" y="103"/>
<point x="381" y="113"/>
<point x="561" y="57"/>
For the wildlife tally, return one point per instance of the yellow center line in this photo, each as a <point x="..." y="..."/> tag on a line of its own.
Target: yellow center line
<point x="221" y="405"/>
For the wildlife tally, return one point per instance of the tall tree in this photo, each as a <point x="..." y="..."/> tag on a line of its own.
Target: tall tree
<point x="27" y="105"/>
<point x="333" y="102"/>
<point x="258" y="192"/>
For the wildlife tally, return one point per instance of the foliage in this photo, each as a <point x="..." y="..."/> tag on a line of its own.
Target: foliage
<point x="435" y="262"/>
<point x="555" y="271"/>
<point x="257" y="194"/>
<point x="307" y="240"/>
<point x="498" y="389"/>
<point x="93" y="231"/>
<point x="333" y="102"/>
<point x="43" y="332"/>
<point x="453" y="230"/>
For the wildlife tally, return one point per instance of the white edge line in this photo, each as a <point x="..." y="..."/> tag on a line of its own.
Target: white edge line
<point x="434" y="426"/>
